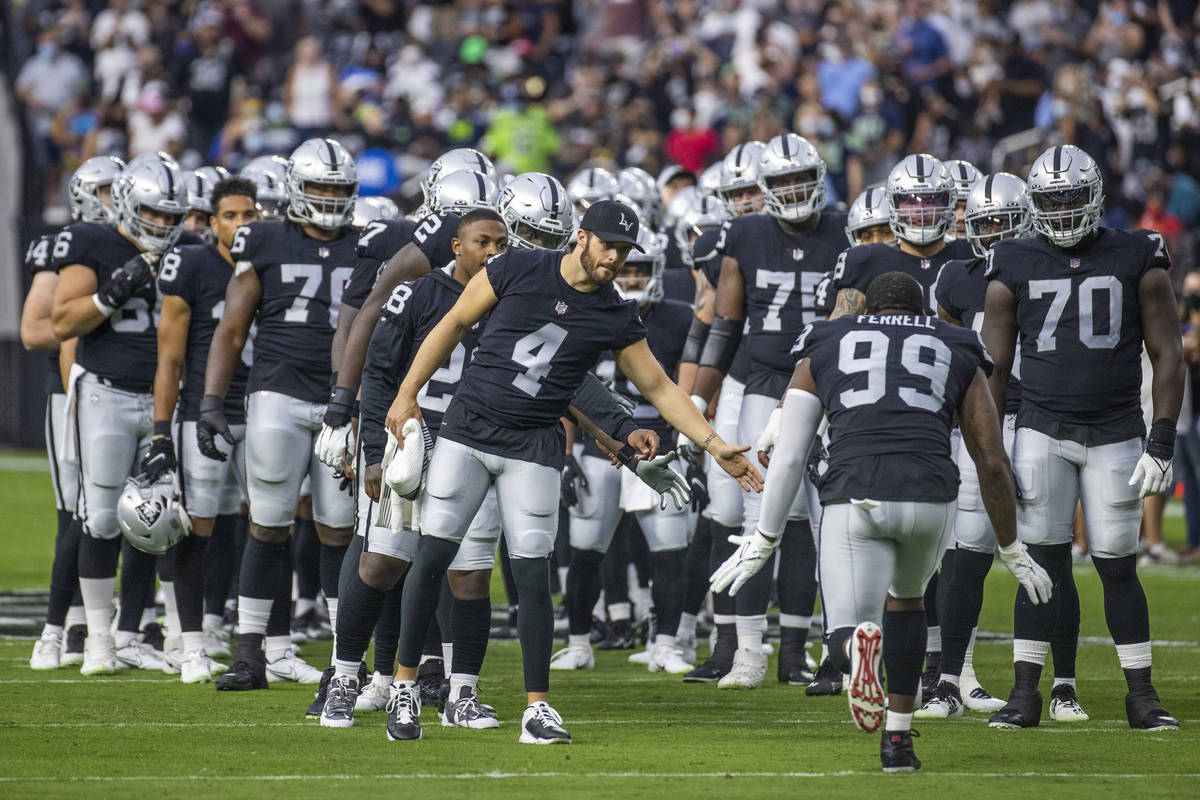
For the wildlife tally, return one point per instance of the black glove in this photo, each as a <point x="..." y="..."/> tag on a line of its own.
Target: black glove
<point x="571" y="473"/>
<point x="340" y="408"/>
<point x="122" y="284"/>
<point x="211" y="425"/>
<point x="818" y="463"/>
<point x="697" y="478"/>
<point x="160" y="459"/>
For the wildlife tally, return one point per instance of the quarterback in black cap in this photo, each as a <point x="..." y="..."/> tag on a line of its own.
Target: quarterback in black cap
<point x="607" y="233"/>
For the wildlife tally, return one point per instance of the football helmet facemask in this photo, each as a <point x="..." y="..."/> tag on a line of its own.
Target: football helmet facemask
<point x="1066" y="195"/>
<point x="791" y="174"/>
<point x="537" y="212"/>
<point x="151" y="184"/>
<point x="921" y="197"/>
<point x="997" y="208"/>
<point x="87" y="182"/>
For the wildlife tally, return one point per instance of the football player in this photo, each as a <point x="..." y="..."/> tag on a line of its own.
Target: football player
<point x="90" y="195"/>
<point x="590" y="185"/>
<point x="551" y="316"/>
<point x="106" y="297"/>
<point x="964" y="174"/>
<point x="1084" y="298"/>
<point x="770" y="265"/>
<point x="892" y="382"/>
<point x="192" y="281"/>
<point x="288" y="276"/>
<point x="200" y="186"/>
<point x="269" y="174"/>
<point x="603" y="494"/>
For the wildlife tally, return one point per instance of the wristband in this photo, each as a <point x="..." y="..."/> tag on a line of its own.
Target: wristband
<point x="628" y="457"/>
<point x="162" y="428"/>
<point x="1161" y="442"/>
<point x="102" y="306"/>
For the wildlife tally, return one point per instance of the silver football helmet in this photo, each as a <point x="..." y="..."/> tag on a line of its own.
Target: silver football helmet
<point x="868" y="210"/>
<point x="537" y="212"/>
<point x="964" y="174"/>
<point x="151" y="184"/>
<point x="640" y="187"/>
<point x="791" y="174"/>
<point x="83" y="191"/>
<point x="151" y="515"/>
<point x="920" y="194"/>
<point x="709" y="182"/>
<point x="365" y="213"/>
<point x="590" y="185"/>
<point x="386" y="205"/>
<point x="702" y="215"/>
<point x="269" y="174"/>
<point x="739" y="176"/>
<point x="997" y="208"/>
<point x="1066" y="195"/>
<point x="641" y="279"/>
<point x="455" y="161"/>
<point x="462" y="191"/>
<point x="325" y="163"/>
<point x="200" y="185"/>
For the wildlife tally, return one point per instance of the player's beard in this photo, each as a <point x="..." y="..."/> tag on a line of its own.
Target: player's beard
<point x="597" y="274"/>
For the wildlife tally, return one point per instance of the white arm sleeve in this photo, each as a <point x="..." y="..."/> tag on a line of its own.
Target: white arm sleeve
<point x="802" y="414"/>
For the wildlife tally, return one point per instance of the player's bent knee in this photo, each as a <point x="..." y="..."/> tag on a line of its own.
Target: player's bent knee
<point x="202" y="526"/>
<point x="334" y="537"/>
<point x="271" y="534"/>
<point x="379" y="571"/>
<point x="474" y="584"/>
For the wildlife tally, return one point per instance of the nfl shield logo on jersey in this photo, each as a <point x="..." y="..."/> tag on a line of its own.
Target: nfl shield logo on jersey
<point x="560" y="307"/>
<point x="797" y="254"/>
<point x="1074" y="263"/>
<point x="924" y="263"/>
<point x="323" y="252"/>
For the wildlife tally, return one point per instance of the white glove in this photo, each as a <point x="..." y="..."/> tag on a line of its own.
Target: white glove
<point x="335" y="444"/>
<point x="746" y="561"/>
<point x="1154" y="474"/>
<point x="658" y="475"/>
<point x="405" y="470"/>
<point x="766" y="440"/>
<point x="1028" y="572"/>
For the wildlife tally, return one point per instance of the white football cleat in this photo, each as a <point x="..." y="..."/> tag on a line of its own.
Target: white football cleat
<point x="291" y="667"/>
<point x="375" y="696"/>
<point x="668" y="658"/>
<point x="573" y="656"/>
<point x="865" y="690"/>
<point x="216" y="641"/>
<point x="1064" y="705"/>
<point x="748" y="671"/>
<point x="139" y="655"/>
<point x="976" y="698"/>
<point x="945" y="703"/>
<point x="197" y="667"/>
<point x="99" y="656"/>
<point x="640" y="657"/>
<point x="47" y="652"/>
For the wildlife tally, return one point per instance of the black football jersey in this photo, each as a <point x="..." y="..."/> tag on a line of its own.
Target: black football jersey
<point x="382" y="239"/>
<point x="124" y="347"/>
<point x="198" y="275"/>
<point x="666" y="329"/>
<point x="1080" y="331"/>
<point x="860" y="265"/>
<point x="890" y="385"/>
<point x="38" y="259"/>
<point x="413" y="310"/>
<point x="541" y="338"/>
<point x="780" y="271"/>
<point x="961" y="290"/>
<point x="302" y="286"/>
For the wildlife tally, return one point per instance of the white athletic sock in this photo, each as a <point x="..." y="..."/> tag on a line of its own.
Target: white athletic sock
<point x="687" y="627"/>
<point x="579" y="640"/>
<point x="347" y="669"/>
<point x="331" y="603"/>
<point x="898" y="722"/>
<point x="192" y="640"/>
<point x="948" y="678"/>
<point x="750" y="631"/>
<point x="1030" y="651"/>
<point x="212" y="621"/>
<point x="97" y="602"/>
<point x="447" y="656"/>
<point x="76" y="616"/>
<point x="277" y="647"/>
<point x="562" y="578"/>
<point x="969" y="659"/>
<point x="303" y="605"/>
<point x="641" y="598"/>
<point x="52" y="630"/>
<point x="795" y="621"/>
<point x="379" y="679"/>
<point x="253" y="614"/>
<point x="148" y="615"/>
<point x="620" y="611"/>
<point x="665" y="640"/>
<point x="933" y="639"/>
<point x="460" y="679"/>
<point x="1064" y="682"/>
<point x="1134" y="656"/>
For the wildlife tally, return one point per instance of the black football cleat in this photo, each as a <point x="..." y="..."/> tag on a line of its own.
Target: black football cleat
<point x="1145" y="711"/>
<point x="404" y="713"/>
<point x="827" y="682"/>
<point x="318" y="705"/>
<point x="1023" y="710"/>
<point x="245" y="676"/>
<point x="620" y="637"/>
<point x="430" y="676"/>
<point x="712" y="670"/>
<point x="896" y="752"/>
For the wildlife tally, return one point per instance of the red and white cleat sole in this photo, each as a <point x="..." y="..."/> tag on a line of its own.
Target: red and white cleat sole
<point x="867" y="699"/>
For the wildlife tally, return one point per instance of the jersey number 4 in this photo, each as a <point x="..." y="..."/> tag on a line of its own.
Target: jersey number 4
<point x="534" y="352"/>
<point x="874" y="364"/>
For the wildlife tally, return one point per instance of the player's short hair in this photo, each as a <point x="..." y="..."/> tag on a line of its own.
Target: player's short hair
<point x="895" y="291"/>
<point x="233" y="186"/>
<point x="475" y="216"/>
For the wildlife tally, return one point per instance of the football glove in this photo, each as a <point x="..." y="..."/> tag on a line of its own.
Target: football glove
<point x="1153" y="471"/>
<point x="160" y="458"/>
<point x="696" y="477"/>
<point x="752" y="553"/>
<point x="335" y="442"/>
<point x="212" y="424"/>
<point x="134" y="274"/>
<point x="1028" y="572"/>
<point x="572" y="474"/>
<point x="766" y="440"/>
<point x="670" y="485"/>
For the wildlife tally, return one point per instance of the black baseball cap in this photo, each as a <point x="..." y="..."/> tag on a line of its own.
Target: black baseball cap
<point x="612" y="221"/>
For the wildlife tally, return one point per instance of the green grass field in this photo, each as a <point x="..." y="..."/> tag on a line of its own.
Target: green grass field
<point x="636" y="735"/>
